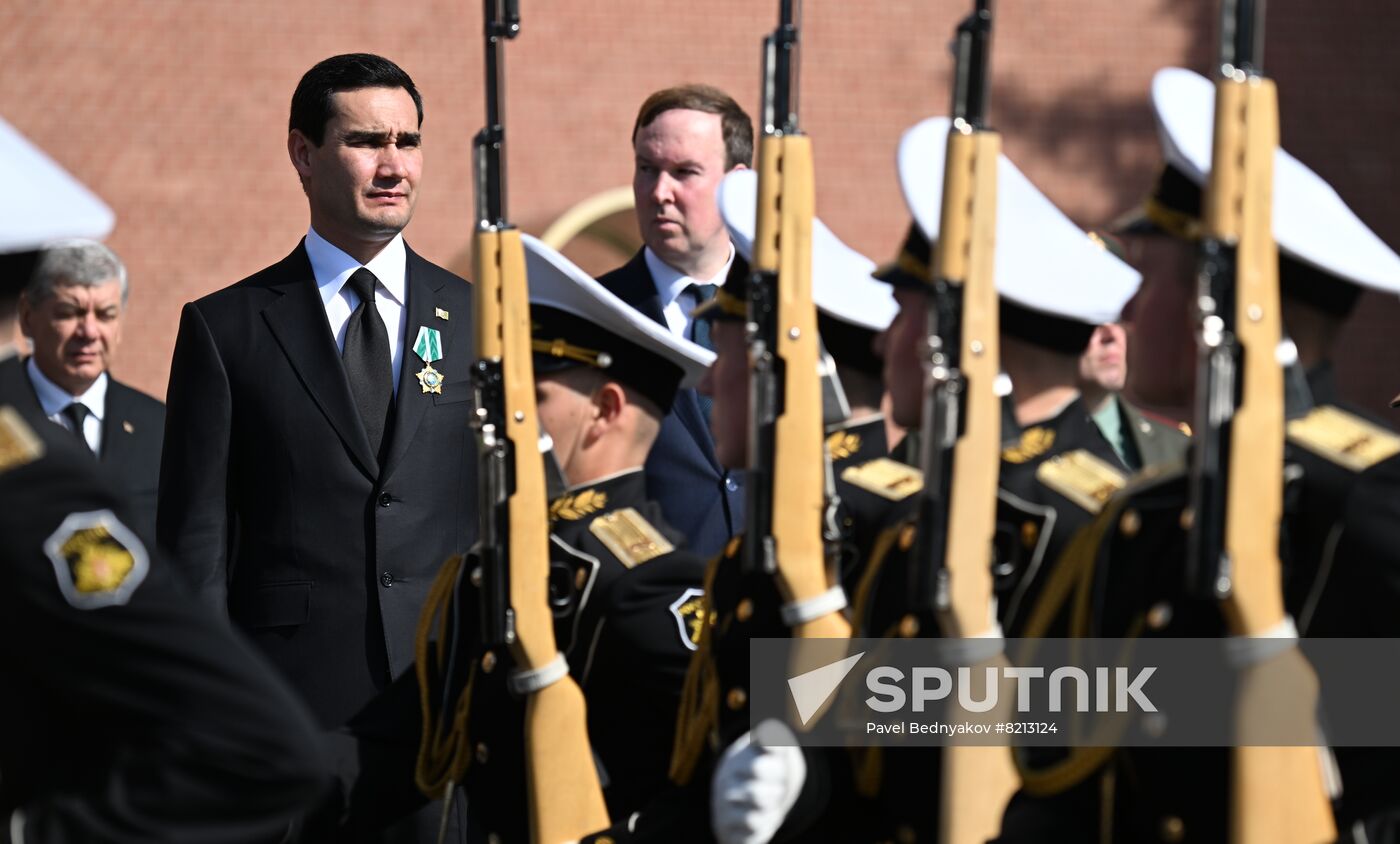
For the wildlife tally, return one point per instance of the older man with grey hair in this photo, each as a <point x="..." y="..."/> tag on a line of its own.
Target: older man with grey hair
<point x="72" y="312"/>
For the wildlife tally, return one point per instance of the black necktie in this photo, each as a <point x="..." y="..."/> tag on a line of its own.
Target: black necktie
<point x="76" y="413"/>
<point x="367" y="362"/>
<point x="699" y="334"/>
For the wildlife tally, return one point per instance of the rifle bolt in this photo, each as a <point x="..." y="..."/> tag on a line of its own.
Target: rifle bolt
<point x="488" y="661"/>
<point x="794" y="333"/>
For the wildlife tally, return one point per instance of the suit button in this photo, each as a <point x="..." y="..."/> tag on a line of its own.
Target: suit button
<point x="386" y="580"/>
<point x="385" y="498"/>
<point x="730" y="485"/>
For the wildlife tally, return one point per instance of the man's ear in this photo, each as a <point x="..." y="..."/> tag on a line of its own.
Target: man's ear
<point x="299" y="150"/>
<point x="611" y="400"/>
<point x="26" y="313"/>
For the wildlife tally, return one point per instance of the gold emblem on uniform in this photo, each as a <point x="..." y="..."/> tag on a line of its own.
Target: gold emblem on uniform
<point x="98" y="561"/>
<point x="571" y="508"/>
<point x="630" y="538"/>
<point x="1343" y="438"/>
<point x="18" y="442"/>
<point x="1081" y="477"/>
<point x="842" y="445"/>
<point x="1034" y="442"/>
<point x="689" y="611"/>
<point x="885" y="477"/>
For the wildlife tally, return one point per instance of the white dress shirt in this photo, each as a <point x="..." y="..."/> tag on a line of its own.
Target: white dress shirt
<point x="676" y="304"/>
<point x="53" y="398"/>
<point x="333" y="268"/>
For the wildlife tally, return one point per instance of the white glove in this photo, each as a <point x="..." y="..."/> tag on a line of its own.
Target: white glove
<point x="755" y="785"/>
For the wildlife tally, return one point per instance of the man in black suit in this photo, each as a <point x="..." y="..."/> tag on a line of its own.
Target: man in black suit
<point x="72" y="312"/>
<point x="129" y="714"/>
<point x="685" y="140"/>
<point x="316" y="470"/>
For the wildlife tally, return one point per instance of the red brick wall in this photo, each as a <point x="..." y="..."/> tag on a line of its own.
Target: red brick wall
<point x="175" y="112"/>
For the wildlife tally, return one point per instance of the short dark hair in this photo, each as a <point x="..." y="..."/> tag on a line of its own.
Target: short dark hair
<point x="735" y="124"/>
<point x="312" y="108"/>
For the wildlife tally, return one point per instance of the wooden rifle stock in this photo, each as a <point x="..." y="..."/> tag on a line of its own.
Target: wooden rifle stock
<point x="783" y="248"/>
<point x="962" y="429"/>
<point x="565" y="797"/>
<point x="977" y="782"/>
<point x="1277" y="793"/>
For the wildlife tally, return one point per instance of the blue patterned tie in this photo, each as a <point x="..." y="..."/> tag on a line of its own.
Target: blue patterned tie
<point x="699" y="333"/>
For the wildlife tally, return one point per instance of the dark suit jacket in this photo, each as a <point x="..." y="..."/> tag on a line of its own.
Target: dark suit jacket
<point x="696" y="495"/>
<point x="272" y="501"/>
<point x="133" y="424"/>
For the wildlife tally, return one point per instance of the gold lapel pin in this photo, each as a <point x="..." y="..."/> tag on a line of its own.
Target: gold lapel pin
<point x="441" y="314"/>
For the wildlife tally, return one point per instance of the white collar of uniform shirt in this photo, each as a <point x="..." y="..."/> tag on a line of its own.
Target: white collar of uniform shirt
<point x="671" y="283"/>
<point x="333" y="268"/>
<point x="53" y="398"/>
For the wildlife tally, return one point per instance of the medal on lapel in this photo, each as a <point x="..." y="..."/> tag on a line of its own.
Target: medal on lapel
<point x="428" y="346"/>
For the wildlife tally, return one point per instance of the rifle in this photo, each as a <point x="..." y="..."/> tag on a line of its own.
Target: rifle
<point x="951" y="578"/>
<point x="785" y="414"/>
<point x="512" y="551"/>
<point x="1277" y="793"/>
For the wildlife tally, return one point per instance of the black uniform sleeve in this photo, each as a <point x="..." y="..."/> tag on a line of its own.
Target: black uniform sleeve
<point x="155" y="722"/>
<point x="192" y="515"/>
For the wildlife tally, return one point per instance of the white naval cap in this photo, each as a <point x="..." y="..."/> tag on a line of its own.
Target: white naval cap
<point x="842" y="287"/>
<point x="1043" y="261"/>
<point x="1311" y="222"/>
<point x="577" y="320"/>
<point x="51" y="205"/>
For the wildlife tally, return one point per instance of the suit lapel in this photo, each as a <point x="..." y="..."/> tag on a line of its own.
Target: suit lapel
<point x="687" y="409"/>
<point x="634" y="285"/>
<point x="114" y="424"/>
<point x="298" y="321"/>
<point x="411" y="402"/>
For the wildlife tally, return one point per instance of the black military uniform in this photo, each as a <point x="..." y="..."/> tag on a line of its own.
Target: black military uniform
<point x="130" y="715"/>
<point x="625" y="593"/>
<point x="627" y="603"/>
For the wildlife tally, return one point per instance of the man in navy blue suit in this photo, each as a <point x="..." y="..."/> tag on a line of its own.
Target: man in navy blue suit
<point x="685" y="140"/>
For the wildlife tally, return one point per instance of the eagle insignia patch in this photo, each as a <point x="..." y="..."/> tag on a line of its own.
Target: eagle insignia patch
<point x="689" y="610"/>
<point x="98" y="561"/>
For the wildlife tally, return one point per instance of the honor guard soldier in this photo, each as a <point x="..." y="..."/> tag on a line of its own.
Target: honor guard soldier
<point x="1138" y="556"/>
<point x="130" y="714"/>
<point x="626" y="594"/>
<point x="1054" y="285"/>
<point x="853" y="309"/>
<point x="1340" y="562"/>
<point x="1327" y="259"/>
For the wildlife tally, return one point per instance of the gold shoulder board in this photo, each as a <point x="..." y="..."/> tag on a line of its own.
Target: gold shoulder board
<point x="630" y="538"/>
<point x="18" y="442"/>
<point x="1082" y="478"/>
<point x="885" y="477"/>
<point x="1343" y="438"/>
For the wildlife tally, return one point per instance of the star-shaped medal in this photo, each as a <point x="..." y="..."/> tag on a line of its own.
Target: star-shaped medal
<point x="431" y="379"/>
